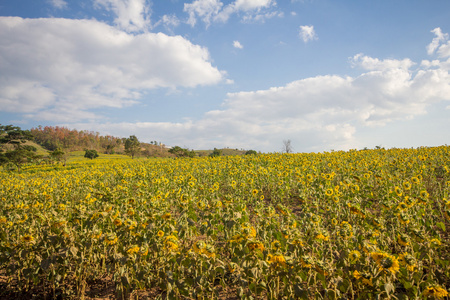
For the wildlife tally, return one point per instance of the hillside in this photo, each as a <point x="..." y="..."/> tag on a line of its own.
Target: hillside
<point x="225" y="152"/>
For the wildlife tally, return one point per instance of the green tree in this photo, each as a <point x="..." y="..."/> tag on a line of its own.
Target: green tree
<point x="132" y="146"/>
<point x="251" y="152"/>
<point x="12" y="139"/>
<point x="91" y="154"/>
<point x="60" y="155"/>
<point x="181" y="152"/>
<point x="216" y="152"/>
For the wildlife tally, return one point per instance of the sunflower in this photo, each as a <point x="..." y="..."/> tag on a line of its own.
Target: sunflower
<point x="366" y="279"/>
<point x="435" y="292"/>
<point x="435" y="242"/>
<point x="403" y="218"/>
<point x="315" y="219"/>
<point x="171" y="243"/>
<point x="403" y="239"/>
<point x="424" y="194"/>
<point x="253" y="246"/>
<point x="276" y="260"/>
<point x="306" y="261"/>
<point x="27" y="238"/>
<point x="248" y="231"/>
<point x="407" y="260"/>
<point x="329" y="192"/>
<point x="354" y="255"/>
<point x="356" y="274"/>
<point x="322" y="237"/>
<point x="199" y="246"/>
<point x="415" y="180"/>
<point x="111" y="239"/>
<point x="117" y="222"/>
<point x="133" y="249"/>
<point x="143" y="250"/>
<point x="160" y="233"/>
<point x="386" y="262"/>
<point x="201" y="204"/>
<point x="276" y="245"/>
<point x="398" y="191"/>
<point x="407" y="185"/>
<point x="402" y="206"/>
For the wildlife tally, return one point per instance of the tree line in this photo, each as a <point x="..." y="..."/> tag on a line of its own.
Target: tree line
<point x="54" y="137"/>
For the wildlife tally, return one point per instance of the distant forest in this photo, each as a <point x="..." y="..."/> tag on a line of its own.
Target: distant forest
<point x="53" y="138"/>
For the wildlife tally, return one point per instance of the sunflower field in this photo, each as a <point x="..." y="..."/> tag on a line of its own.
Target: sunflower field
<point x="369" y="224"/>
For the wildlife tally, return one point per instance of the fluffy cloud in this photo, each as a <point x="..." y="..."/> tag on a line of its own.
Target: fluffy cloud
<point x="203" y="9"/>
<point x="318" y="113"/>
<point x="214" y="10"/>
<point x="131" y="15"/>
<point x="307" y="33"/>
<point x="435" y="43"/>
<point x="237" y="44"/>
<point x="67" y="67"/>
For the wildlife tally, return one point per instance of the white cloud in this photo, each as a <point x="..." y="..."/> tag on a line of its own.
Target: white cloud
<point x="307" y="33"/>
<point x="204" y="9"/>
<point x="440" y="37"/>
<point x="67" y="67"/>
<point x="59" y="4"/>
<point x="370" y="63"/>
<point x="323" y="112"/>
<point x="169" y="21"/>
<point x="132" y="15"/>
<point x="214" y="10"/>
<point x="237" y="44"/>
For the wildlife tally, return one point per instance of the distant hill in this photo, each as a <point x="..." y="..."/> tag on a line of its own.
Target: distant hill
<point x="52" y="138"/>
<point x="225" y="152"/>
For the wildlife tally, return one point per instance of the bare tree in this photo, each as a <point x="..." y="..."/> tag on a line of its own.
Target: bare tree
<point x="287" y="147"/>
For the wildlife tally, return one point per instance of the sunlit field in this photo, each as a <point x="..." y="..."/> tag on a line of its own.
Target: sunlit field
<point x="357" y="224"/>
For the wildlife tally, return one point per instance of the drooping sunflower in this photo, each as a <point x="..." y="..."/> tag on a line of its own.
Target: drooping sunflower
<point x="407" y="260"/>
<point x="386" y="262"/>
<point x="171" y="243"/>
<point x="276" y="245"/>
<point x="276" y="260"/>
<point x="133" y="249"/>
<point x="403" y="239"/>
<point x="255" y="246"/>
<point x="435" y="292"/>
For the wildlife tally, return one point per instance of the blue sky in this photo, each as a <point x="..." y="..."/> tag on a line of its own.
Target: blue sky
<point x="247" y="74"/>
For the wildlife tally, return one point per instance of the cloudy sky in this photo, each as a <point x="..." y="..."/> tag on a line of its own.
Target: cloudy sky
<point x="325" y="74"/>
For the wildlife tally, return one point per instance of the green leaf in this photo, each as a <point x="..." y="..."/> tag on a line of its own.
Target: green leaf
<point x="441" y="225"/>
<point x="299" y="292"/>
<point x="407" y="285"/>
